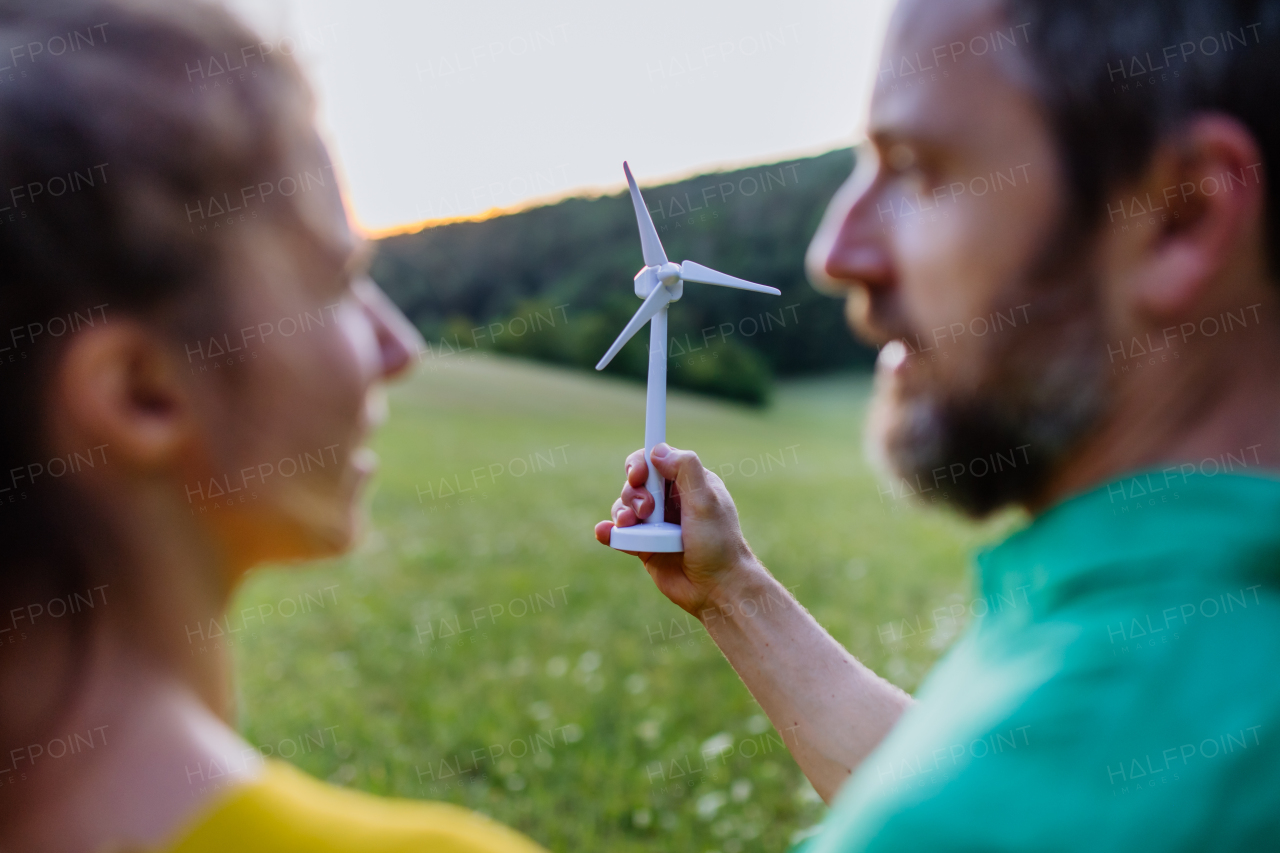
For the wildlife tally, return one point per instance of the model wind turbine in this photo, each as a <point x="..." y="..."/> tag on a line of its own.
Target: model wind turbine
<point x="659" y="284"/>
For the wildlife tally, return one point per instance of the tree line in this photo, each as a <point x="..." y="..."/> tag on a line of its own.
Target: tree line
<point x="554" y="283"/>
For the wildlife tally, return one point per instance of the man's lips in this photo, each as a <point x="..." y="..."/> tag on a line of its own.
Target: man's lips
<point x="874" y="332"/>
<point x="877" y="318"/>
<point x="365" y="460"/>
<point x="893" y="356"/>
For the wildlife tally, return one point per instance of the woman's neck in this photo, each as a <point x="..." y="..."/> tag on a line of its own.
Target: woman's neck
<point x="136" y="757"/>
<point x="135" y="701"/>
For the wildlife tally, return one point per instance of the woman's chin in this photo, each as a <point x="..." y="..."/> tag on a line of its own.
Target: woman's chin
<point x="341" y="534"/>
<point x="318" y="538"/>
<point x="298" y="525"/>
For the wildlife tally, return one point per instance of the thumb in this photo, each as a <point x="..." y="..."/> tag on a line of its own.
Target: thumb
<point x="685" y="468"/>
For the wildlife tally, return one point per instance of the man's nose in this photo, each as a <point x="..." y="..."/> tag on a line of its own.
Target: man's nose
<point x="855" y="261"/>
<point x="398" y="341"/>
<point x="850" y="249"/>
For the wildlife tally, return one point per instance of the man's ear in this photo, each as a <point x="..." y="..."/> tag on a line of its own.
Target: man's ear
<point x="1211" y="184"/>
<point x="118" y="386"/>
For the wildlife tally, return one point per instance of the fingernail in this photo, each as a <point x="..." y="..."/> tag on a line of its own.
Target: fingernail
<point x="660" y="450"/>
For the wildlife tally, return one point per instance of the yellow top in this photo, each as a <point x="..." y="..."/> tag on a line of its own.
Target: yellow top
<point x="286" y="811"/>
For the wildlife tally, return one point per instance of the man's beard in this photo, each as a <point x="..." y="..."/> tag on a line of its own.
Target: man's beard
<point x="1041" y="388"/>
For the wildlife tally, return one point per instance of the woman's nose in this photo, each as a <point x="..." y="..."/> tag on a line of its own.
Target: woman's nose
<point x="398" y="341"/>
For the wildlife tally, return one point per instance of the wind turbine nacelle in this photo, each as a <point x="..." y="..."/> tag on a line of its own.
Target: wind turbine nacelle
<point x="650" y="278"/>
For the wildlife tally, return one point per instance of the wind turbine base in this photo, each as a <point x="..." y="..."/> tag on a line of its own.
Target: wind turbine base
<point x="657" y="538"/>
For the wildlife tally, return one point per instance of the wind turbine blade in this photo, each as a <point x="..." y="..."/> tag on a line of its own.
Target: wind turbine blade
<point x="654" y="256"/>
<point x="689" y="271"/>
<point x="655" y="303"/>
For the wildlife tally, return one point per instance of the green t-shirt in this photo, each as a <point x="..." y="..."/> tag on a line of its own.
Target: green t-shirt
<point x="1120" y="690"/>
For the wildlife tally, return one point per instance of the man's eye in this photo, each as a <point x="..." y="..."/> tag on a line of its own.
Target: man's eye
<point x="902" y="158"/>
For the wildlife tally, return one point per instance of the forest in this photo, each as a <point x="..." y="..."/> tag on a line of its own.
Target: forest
<point x="553" y="283"/>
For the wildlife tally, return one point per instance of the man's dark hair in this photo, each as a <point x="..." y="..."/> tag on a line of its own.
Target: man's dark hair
<point x="1117" y="76"/>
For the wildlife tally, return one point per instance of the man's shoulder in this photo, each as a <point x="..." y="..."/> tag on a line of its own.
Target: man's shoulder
<point x="1189" y="649"/>
<point x="1063" y="775"/>
<point x="1092" y="722"/>
<point x="1142" y="686"/>
<point x="1183" y="644"/>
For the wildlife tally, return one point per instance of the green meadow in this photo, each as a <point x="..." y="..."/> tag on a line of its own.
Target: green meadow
<point x="480" y="647"/>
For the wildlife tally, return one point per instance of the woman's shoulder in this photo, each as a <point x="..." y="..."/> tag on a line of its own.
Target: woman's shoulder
<point x="285" y="810"/>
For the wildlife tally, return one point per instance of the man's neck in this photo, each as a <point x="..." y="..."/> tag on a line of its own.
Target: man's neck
<point x="1207" y="399"/>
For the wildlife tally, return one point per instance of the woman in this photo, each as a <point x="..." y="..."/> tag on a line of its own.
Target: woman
<point x="183" y="309"/>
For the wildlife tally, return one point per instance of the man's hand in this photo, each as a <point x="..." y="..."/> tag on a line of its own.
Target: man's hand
<point x="715" y="554"/>
<point x="831" y="710"/>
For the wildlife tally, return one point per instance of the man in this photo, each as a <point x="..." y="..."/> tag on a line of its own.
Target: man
<point x="1106" y="167"/>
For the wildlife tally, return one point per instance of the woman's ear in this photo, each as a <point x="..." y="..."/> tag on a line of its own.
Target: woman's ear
<point x="118" y="386"/>
<point x="1211" y="186"/>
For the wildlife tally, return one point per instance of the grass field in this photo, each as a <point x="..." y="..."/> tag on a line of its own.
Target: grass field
<point x="481" y="648"/>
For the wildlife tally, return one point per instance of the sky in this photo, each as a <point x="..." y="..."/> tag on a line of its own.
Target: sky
<point x="437" y="110"/>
